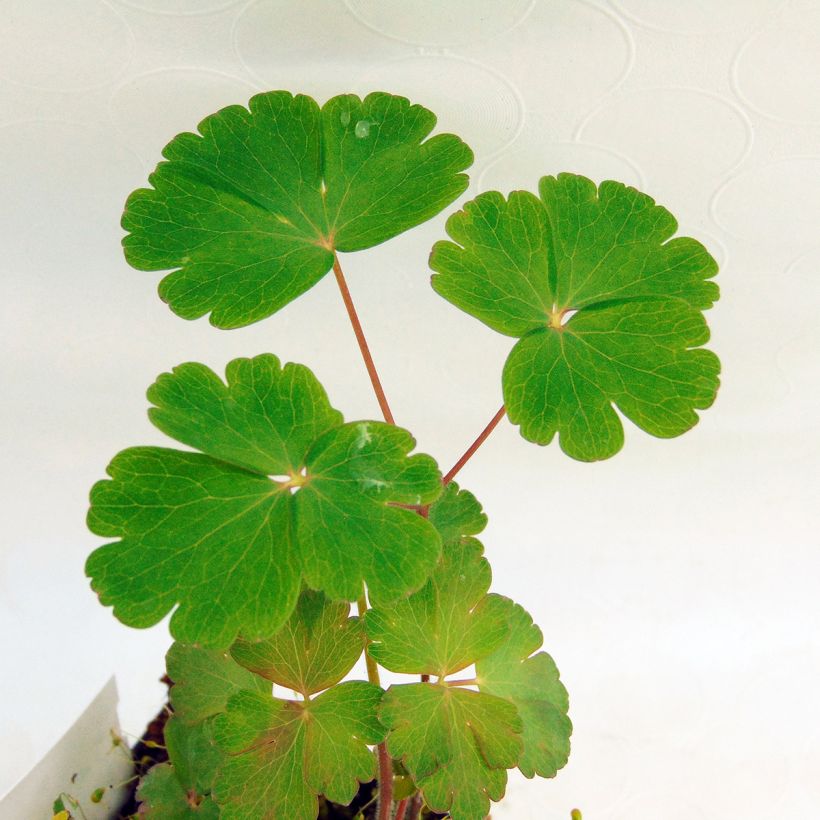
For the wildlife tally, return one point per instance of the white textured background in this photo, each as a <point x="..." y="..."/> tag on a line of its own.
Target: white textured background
<point x="677" y="584"/>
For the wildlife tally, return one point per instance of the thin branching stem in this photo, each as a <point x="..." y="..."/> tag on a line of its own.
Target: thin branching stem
<point x="470" y="452"/>
<point x="360" y="338"/>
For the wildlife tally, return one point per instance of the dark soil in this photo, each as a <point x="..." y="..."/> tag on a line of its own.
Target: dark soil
<point x="150" y="751"/>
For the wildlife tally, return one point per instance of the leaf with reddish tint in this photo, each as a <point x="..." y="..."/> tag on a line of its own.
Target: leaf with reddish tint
<point x="282" y="754"/>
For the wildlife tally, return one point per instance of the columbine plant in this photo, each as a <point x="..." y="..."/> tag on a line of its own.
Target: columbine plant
<point x="281" y="514"/>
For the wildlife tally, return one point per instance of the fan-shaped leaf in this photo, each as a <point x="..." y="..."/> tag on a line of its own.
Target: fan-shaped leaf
<point x="315" y="649"/>
<point x="228" y="542"/>
<point x="282" y="754"/>
<point x="523" y="264"/>
<point x="457" y="744"/>
<point x="448" y="624"/>
<point x="531" y="682"/>
<point x="249" y="211"/>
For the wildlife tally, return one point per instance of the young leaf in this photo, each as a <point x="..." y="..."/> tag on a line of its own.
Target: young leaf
<point x="282" y="754"/>
<point x="164" y="797"/>
<point x="531" y="683"/>
<point x="457" y="513"/>
<point x="204" y="680"/>
<point x="457" y="744"/>
<point x="249" y="211"/>
<point x="314" y="650"/>
<point x="279" y="494"/>
<point x="448" y="624"/>
<point x="521" y="264"/>
<point x="180" y="789"/>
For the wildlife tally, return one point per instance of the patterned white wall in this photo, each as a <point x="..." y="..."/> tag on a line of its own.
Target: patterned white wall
<point x="678" y="583"/>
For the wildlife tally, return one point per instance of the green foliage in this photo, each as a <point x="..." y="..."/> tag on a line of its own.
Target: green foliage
<point x="531" y="683"/>
<point x="204" y="680"/>
<point x="520" y="264"/>
<point x="266" y="746"/>
<point x="180" y="789"/>
<point x="448" y="624"/>
<point x="456" y="743"/>
<point x="279" y="495"/>
<point x="282" y="754"/>
<point x="457" y="513"/>
<point x="280" y="514"/>
<point x="314" y="650"/>
<point x="249" y="211"/>
<point x="264" y="417"/>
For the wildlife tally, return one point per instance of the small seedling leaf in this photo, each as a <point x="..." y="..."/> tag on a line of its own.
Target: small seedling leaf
<point x="163" y="797"/>
<point x="456" y="742"/>
<point x="448" y="624"/>
<point x="180" y="789"/>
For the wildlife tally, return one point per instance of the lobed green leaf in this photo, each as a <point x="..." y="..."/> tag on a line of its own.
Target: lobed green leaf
<point x="282" y="754"/>
<point x="530" y="681"/>
<point x="456" y="743"/>
<point x="229" y="544"/>
<point x="456" y="513"/>
<point x="448" y="624"/>
<point x="522" y="265"/>
<point x="314" y="650"/>
<point x="262" y="417"/>
<point x="249" y="211"/>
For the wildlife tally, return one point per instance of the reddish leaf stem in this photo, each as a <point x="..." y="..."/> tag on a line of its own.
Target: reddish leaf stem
<point x="463" y="682"/>
<point x="470" y="452"/>
<point x="401" y="808"/>
<point x="385" y="804"/>
<point x="415" y="807"/>
<point x="357" y="329"/>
